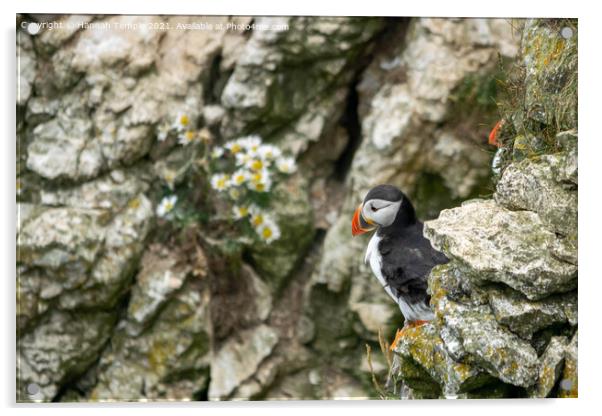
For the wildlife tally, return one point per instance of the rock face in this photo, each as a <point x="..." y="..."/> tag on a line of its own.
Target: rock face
<point x="535" y="186"/>
<point x="498" y="245"/>
<point x="115" y="302"/>
<point x="506" y="304"/>
<point x="238" y="360"/>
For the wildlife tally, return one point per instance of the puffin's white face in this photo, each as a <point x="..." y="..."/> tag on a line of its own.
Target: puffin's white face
<point x="380" y="211"/>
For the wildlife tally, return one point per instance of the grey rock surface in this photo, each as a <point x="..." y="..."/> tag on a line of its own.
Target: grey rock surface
<point x="550" y="367"/>
<point x="61" y="347"/>
<point x="498" y="245"/>
<point x="525" y="317"/>
<point x="238" y="359"/>
<point x="534" y="186"/>
<point x="169" y="360"/>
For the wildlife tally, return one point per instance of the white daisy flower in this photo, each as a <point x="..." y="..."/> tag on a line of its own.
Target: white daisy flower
<point x="182" y="122"/>
<point x="220" y="181"/>
<point x="286" y="165"/>
<point x="234" y="147"/>
<point x="268" y="231"/>
<point x="240" y="211"/>
<point x="250" y="143"/>
<point x="239" y="177"/>
<point x="163" y="131"/>
<point x="257" y="216"/>
<point x="217" y="152"/>
<point x="255" y="164"/>
<point x="260" y="181"/>
<point x="269" y="152"/>
<point x="260" y="186"/>
<point x="242" y="158"/>
<point x="166" y="205"/>
<point x="186" y="137"/>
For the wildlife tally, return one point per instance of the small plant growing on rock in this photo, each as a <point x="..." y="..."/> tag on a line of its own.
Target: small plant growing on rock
<point x="242" y="172"/>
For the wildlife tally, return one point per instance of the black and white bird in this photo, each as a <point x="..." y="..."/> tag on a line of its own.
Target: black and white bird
<point x="399" y="255"/>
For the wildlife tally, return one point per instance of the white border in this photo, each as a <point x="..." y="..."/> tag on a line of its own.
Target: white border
<point x="590" y="372"/>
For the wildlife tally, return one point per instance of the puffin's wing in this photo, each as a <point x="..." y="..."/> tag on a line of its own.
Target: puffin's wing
<point x="407" y="262"/>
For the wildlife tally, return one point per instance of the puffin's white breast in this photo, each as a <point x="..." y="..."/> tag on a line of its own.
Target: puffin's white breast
<point x="374" y="259"/>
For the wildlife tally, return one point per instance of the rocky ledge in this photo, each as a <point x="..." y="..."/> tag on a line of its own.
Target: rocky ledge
<point x="506" y="304"/>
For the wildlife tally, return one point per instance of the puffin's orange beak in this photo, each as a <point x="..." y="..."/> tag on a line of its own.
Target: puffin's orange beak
<point x="358" y="224"/>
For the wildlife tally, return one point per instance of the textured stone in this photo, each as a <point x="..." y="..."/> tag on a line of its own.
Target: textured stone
<point x="500" y="352"/>
<point x="162" y="273"/>
<point x="78" y="257"/>
<point x="569" y="383"/>
<point x="550" y="367"/>
<point x="533" y="186"/>
<point x="525" y="317"/>
<point x="269" y="87"/>
<point x="169" y="360"/>
<point x="424" y="347"/>
<point x="26" y="67"/>
<point x="238" y="359"/>
<point x="60" y="348"/>
<point x="63" y="238"/>
<point x="498" y="245"/>
<point x="59" y="149"/>
<point x="550" y="73"/>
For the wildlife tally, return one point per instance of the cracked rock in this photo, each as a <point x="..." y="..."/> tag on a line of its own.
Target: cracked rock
<point x="497" y="245"/>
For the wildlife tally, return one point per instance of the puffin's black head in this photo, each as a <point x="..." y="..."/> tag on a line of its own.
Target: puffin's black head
<point x="383" y="206"/>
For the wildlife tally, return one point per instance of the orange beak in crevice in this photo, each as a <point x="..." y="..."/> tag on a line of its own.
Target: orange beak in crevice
<point x="359" y="225"/>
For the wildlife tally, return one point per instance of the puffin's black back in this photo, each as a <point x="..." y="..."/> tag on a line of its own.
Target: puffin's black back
<point x="407" y="256"/>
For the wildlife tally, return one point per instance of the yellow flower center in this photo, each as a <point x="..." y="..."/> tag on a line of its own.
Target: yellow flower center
<point x="221" y="183"/>
<point x="168" y="206"/>
<point x="189" y="136"/>
<point x="184" y="120"/>
<point x="235" y="148"/>
<point x="256" y="164"/>
<point x="243" y="211"/>
<point x="257" y="220"/>
<point x="266" y="233"/>
<point x="239" y="179"/>
<point x="260" y="187"/>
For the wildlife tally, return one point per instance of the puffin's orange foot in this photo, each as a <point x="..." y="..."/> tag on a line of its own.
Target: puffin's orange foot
<point x="400" y="332"/>
<point x="398" y="336"/>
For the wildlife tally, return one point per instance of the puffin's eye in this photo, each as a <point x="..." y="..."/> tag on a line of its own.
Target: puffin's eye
<point x="373" y="208"/>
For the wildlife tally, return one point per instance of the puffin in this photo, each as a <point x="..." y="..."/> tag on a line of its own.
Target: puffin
<point x="399" y="255"/>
